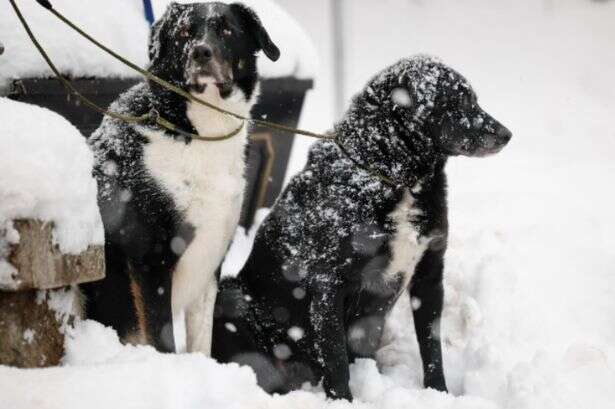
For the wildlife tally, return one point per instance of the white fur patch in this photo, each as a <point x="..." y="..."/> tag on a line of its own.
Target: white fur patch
<point x="206" y="181"/>
<point x="406" y="246"/>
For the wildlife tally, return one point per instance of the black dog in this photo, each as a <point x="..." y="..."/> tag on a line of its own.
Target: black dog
<point x="170" y="204"/>
<point x="364" y="221"/>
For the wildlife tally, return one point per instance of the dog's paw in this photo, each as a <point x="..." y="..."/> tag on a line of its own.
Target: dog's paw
<point x="437" y="382"/>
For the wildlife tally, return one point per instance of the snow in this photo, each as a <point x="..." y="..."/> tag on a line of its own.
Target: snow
<point x="64" y="302"/>
<point x="28" y="335"/>
<point x="8" y="237"/>
<point x="99" y="372"/>
<point x="242" y="245"/>
<point x="45" y="174"/>
<point x="113" y="22"/>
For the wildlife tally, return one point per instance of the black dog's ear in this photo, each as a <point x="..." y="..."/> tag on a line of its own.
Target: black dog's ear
<point x="156" y="40"/>
<point x="251" y="21"/>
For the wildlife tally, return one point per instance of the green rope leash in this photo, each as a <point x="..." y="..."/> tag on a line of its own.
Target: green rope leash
<point x="152" y="116"/>
<point x="175" y="89"/>
<point x="155" y="116"/>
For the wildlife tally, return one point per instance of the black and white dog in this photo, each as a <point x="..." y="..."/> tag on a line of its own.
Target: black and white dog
<point x="343" y="242"/>
<point x="169" y="204"/>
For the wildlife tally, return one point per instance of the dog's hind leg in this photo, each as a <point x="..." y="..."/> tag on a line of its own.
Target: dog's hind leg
<point x="427" y="294"/>
<point x="152" y="300"/>
<point x="109" y="300"/>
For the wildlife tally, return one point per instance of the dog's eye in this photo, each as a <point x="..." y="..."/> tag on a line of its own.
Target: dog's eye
<point x="227" y="32"/>
<point x="467" y="102"/>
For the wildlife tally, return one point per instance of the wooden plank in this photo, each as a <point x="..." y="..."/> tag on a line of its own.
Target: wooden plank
<point x="42" y="266"/>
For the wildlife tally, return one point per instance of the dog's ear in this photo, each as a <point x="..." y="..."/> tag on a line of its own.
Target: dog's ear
<point x="253" y="24"/>
<point x="156" y="40"/>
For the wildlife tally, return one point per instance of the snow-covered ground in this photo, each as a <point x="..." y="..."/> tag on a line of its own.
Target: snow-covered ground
<point x="530" y="280"/>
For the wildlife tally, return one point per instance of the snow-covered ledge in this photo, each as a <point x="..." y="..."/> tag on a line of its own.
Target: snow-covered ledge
<point x="51" y="233"/>
<point x="121" y="25"/>
<point x="45" y="175"/>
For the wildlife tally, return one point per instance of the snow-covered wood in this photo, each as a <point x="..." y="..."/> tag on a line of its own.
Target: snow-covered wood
<point x="40" y="265"/>
<point x="50" y="232"/>
<point x="46" y="175"/>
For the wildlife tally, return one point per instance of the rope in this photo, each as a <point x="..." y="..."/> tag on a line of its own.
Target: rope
<point x="175" y="89"/>
<point x="155" y="116"/>
<point x="152" y="116"/>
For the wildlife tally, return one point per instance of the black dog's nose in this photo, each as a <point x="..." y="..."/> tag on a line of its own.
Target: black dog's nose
<point x="503" y="134"/>
<point x="202" y="54"/>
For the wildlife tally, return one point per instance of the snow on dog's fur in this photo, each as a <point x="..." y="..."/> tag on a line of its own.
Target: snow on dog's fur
<point x="170" y="205"/>
<point x="340" y="245"/>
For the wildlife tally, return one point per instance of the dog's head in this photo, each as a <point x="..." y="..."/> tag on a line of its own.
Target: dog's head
<point x="202" y="45"/>
<point x="431" y="99"/>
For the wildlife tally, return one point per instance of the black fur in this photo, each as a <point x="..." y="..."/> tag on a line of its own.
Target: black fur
<point x="140" y="218"/>
<point x="319" y="258"/>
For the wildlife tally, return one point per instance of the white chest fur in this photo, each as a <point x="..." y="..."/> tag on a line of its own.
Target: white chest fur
<point x="206" y="182"/>
<point x="407" y="247"/>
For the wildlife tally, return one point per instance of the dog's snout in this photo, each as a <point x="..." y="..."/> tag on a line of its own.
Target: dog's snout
<point x="503" y="134"/>
<point x="202" y="54"/>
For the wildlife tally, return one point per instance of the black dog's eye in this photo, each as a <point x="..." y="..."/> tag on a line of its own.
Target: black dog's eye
<point x="227" y="32"/>
<point x="467" y="102"/>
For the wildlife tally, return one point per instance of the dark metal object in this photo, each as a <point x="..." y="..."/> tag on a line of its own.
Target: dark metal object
<point x="50" y="93"/>
<point x="281" y="101"/>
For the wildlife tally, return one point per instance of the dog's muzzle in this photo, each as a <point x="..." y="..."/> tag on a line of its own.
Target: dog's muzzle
<point x="207" y="69"/>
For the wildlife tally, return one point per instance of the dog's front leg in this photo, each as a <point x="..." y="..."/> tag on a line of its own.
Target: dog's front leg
<point x="330" y="342"/>
<point x="427" y="294"/>
<point x="199" y="320"/>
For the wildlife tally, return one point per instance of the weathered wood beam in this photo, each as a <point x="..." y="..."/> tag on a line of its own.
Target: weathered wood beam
<point x="40" y="264"/>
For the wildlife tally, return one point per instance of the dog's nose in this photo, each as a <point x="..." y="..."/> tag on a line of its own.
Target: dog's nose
<point x="202" y="54"/>
<point x="503" y="134"/>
